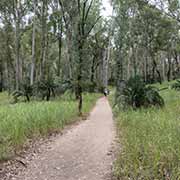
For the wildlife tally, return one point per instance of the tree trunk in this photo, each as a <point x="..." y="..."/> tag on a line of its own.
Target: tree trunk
<point x="158" y="72"/>
<point x="33" y="44"/>
<point x="1" y="77"/>
<point x="60" y="48"/>
<point x="177" y="71"/>
<point x="146" y="69"/>
<point x="134" y="53"/>
<point x="119" y="71"/>
<point x="105" y="68"/>
<point x="169" y="68"/>
<point x="79" y="84"/>
<point x="17" y="39"/>
<point x="129" y="64"/>
<point x="43" y="41"/>
<point x="70" y="52"/>
<point x="93" y="70"/>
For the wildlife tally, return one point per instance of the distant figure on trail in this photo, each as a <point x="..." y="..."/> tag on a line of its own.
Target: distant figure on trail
<point x="106" y="92"/>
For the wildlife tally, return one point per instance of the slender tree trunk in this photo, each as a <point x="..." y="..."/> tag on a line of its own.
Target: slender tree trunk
<point x="163" y="69"/>
<point x="169" y="68"/>
<point x="93" y="70"/>
<point x="134" y="53"/>
<point x="7" y="77"/>
<point x="33" y="45"/>
<point x="17" y="39"/>
<point x="146" y="68"/>
<point x="119" y="68"/>
<point x="177" y="71"/>
<point x="106" y="60"/>
<point x="79" y="84"/>
<point x="105" y="68"/>
<point x="1" y="77"/>
<point x="70" y="52"/>
<point x="8" y="66"/>
<point x="158" y="72"/>
<point x="129" y="63"/>
<point x="60" y="48"/>
<point x="44" y="40"/>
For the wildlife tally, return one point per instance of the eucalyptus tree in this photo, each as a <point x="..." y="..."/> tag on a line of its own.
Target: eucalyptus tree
<point x="19" y="10"/>
<point x="143" y="36"/>
<point x="98" y="43"/>
<point x="56" y="19"/>
<point x="44" y="38"/>
<point x="121" y="34"/>
<point x="84" y="27"/>
<point x="80" y="18"/>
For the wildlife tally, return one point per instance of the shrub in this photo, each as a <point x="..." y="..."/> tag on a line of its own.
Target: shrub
<point x="63" y="85"/>
<point x="89" y="86"/>
<point x="176" y="85"/>
<point x="136" y="94"/>
<point x="26" y="91"/>
<point x="45" y="89"/>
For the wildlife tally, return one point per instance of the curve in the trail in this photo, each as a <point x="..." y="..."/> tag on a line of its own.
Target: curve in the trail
<point x="80" y="154"/>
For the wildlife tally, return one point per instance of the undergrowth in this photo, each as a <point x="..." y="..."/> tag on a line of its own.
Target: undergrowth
<point x="23" y="121"/>
<point x="150" y="140"/>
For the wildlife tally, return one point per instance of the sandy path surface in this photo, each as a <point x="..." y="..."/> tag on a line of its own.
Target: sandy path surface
<point x="83" y="153"/>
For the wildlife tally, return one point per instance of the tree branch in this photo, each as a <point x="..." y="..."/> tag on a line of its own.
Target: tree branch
<point x="63" y="12"/>
<point x="92" y="26"/>
<point x="87" y="13"/>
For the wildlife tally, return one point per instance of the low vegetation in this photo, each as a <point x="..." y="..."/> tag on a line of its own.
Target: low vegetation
<point x="134" y="93"/>
<point x="176" y="85"/>
<point x="23" y="121"/>
<point x="150" y="140"/>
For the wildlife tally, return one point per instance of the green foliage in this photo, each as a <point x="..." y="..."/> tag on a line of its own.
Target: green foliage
<point x="136" y="94"/>
<point x="150" y="141"/>
<point x="26" y="91"/>
<point x="45" y="89"/>
<point x="21" y="122"/>
<point x="4" y="98"/>
<point x="89" y="86"/>
<point x="63" y="86"/>
<point x="176" y="85"/>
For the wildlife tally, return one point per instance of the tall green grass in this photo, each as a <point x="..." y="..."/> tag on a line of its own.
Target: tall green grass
<point x="22" y="121"/>
<point x="4" y="98"/>
<point x="150" y="141"/>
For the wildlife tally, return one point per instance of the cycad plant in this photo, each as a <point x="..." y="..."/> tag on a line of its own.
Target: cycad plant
<point x="176" y="85"/>
<point x="45" y="89"/>
<point x="26" y="91"/>
<point x="135" y="93"/>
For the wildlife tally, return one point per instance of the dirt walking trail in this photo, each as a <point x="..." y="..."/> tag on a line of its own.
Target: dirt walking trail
<point x="82" y="153"/>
